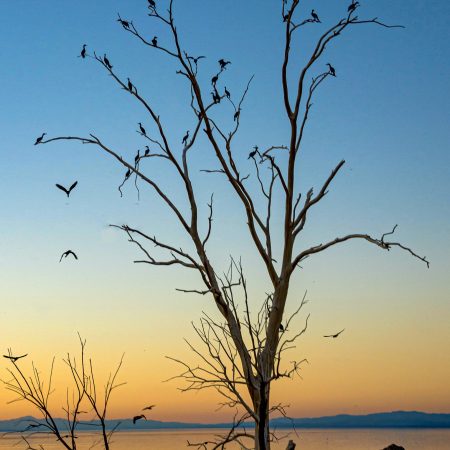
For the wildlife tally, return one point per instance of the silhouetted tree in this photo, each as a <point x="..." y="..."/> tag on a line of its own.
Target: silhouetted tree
<point x="82" y="398"/>
<point x="252" y="347"/>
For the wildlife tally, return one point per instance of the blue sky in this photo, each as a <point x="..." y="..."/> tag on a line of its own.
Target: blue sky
<point x="386" y="113"/>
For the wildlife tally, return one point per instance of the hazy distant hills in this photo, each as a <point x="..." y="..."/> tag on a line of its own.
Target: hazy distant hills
<point x="397" y="419"/>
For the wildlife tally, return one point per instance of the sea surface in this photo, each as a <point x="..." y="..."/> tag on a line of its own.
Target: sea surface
<point x="307" y="439"/>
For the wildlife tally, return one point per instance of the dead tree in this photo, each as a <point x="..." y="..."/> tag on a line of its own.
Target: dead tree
<point x="283" y="175"/>
<point x="80" y="400"/>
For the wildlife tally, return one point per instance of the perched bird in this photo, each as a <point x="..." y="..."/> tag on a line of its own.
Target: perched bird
<point x="185" y="138"/>
<point x="331" y="70"/>
<point x="214" y="80"/>
<point x="227" y="93"/>
<point x="107" y="63"/>
<point x="334" y="336"/>
<point x="195" y="59"/>
<point x="137" y="157"/>
<point x="155" y="41"/>
<point x="67" y="253"/>
<point x="352" y="6"/>
<point x="39" y="139"/>
<point x="223" y="64"/>
<point x="281" y="327"/>
<point x="237" y="114"/>
<point x="14" y="358"/>
<point x="151" y="4"/>
<point x="136" y="418"/>
<point x="252" y="154"/>
<point x="147" y="151"/>
<point x="216" y="97"/>
<point x="315" y="16"/>
<point x="130" y="85"/>
<point x="148" y="407"/>
<point x="67" y="191"/>
<point x="124" y="23"/>
<point x="83" y="51"/>
<point x="127" y="174"/>
<point x="142" y="129"/>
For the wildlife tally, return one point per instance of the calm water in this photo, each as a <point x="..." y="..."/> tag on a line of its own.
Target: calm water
<point x="306" y="440"/>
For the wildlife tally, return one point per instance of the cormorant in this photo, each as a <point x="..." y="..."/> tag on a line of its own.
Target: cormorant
<point x="352" y="6"/>
<point x="107" y="63"/>
<point x="155" y="41"/>
<point x="148" y="407"/>
<point x="67" y="191"/>
<point x="237" y="114"/>
<point x="67" y="253"/>
<point x="151" y="4"/>
<point x="136" y="418"/>
<point x="39" y="139"/>
<point x="334" y="336"/>
<point x="137" y="157"/>
<point x="315" y="16"/>
<point x="223" y="64"/>
<point x="130" y="85"/>
<point x="83" y="51"/>
<point x="227" y="93"/>
<point x="127" y="174"/>
<point x="147" y="151"/>
<point x="142" y="129"/>
<point x="214" y="80"/>
<point x="195" y="59"/>
<point x="281" y="327"/>
<point x="14" y="358"/>
<point x="185" y="138"/>
<point x="331" y="70"/>
<point x="124" y="23"/>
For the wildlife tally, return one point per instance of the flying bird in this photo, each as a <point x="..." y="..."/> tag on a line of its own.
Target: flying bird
<point x="185" y="138"/>
<point x="67" y="253"/>
<point x="83" y="51"/>
<point x="331" y="70"/>
<point x="352" y="6"/>
<point x="142" y="129"/>
<point x="195" y="59"/>
<point x="107" y="63"/>
<point x="155" y="41"/>
<point x="14" y="358"/>
<point x="39" y="139"/>
<point x="67" y="191"/>
<point x="334" y="336"/>
<point x="136" y="418"/>
<point x="148" y="407"/>
<point x="223" y="64"/>
<point x="315" y="16"/>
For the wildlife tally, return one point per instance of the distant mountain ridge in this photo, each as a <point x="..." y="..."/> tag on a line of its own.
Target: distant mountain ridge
<point x="395" y="419"/>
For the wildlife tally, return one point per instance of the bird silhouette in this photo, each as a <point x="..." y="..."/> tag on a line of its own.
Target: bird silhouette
<point x="254" y="152"/>
<point x="315" y="16"/>
<point x="185" y="138"/>
<point x="14" y="358"/>
<point x="214" y="80"/>
<point x="107" y="63"/>
<point x="151" y="4"/>
<point x="352" y="6"/>
<point x="223" y="64"/>
<point x="216" y="97"/>
<point x="227" y="93"/>
<point x="148" y="407"/>
<point x="237" y="114"/>
<point x="195" y="59"/>
<point x="137" y="157"/>
<point x="281" y="327"/>
<point x="67" y="253"/>
<point x="39" y="139"/>
<point x="331" y="70"/>
<point x="67" y="191"/>
<point x="147" y="151"/>
<point x="124" y="23"/>
<point x="142" y="129"/>
<point x="136" y="418"/>
<point x="83" y="51"/>
<point x="334" y="336"/>
<point x="130" y="85"/>
<point x="127" y="174"/>
<point x="155" y="41"/>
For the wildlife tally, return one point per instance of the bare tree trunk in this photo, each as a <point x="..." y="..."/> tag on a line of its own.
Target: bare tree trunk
<point x="261" y="407"/>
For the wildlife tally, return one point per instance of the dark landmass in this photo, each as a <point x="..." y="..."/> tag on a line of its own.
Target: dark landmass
<point x="397" y="419"/>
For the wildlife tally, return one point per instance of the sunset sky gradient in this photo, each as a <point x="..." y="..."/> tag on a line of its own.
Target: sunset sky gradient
<point x="386" y="113"/>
